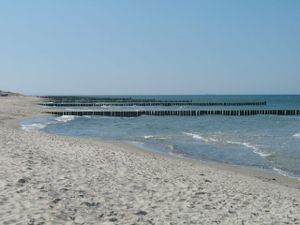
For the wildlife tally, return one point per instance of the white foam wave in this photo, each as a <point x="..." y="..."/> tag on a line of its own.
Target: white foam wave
<point x="256" y="150"/>
<point x="205" y="139"/>
<point x="197" y="136"/>
<point x="65" y="118"/>
<point x="157" y="137"/>
<point x="148" y="136"/>
<point x="281" y="172"/>
<point x="215" y="140"/>
<point x="297" y="135"/>
<point x="164" y="138"/>
<point x="33" y="127"/>
<point x="284" y="173"/>
<point x="233" y="142"/>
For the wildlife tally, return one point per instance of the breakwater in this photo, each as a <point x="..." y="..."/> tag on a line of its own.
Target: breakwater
<point x="168" y="103"/>
<point x="279" y="112"/>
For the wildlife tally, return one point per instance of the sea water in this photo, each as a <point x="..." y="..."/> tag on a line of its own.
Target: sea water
<point x="261" y="141"/>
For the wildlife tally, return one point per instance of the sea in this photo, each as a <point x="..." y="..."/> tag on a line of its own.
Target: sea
<point x="267" y="142"/>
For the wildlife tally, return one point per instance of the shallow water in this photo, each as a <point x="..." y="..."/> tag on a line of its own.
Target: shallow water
<point x="269" y="142"/>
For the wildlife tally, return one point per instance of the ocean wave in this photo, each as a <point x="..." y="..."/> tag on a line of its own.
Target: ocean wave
<point x="157" y="137"/>
<point x="164" y="138"/>
<point x="284" y="173"/>
<point x="206" y="139"/>
<point x="297" y="135"/>
<point x="197" y="136"/>
<point x="216" y="140"/>
<point x="65" y="118"/>
<point x="256" y="150"/>
<point x="148" y="136"/>
<point x="280" y="171"/>
<point x="33" y="127"/>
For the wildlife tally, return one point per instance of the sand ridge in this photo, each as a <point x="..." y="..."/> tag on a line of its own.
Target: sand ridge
<point x="48" y="179"/>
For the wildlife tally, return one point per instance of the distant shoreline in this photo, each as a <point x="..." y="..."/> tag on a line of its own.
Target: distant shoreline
<point x="8" y="93"/>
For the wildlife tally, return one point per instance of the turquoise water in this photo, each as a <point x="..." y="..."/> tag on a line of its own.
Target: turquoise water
<point x="268" y="142"/>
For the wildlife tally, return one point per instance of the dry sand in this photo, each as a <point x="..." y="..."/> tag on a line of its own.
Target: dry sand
<point x="46" y="179"/>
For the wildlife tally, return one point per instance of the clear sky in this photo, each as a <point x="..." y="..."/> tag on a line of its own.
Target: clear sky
<point x="150" y="46"/>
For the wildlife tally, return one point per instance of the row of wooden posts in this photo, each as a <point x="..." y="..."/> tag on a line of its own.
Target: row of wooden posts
<point x="156" y="104"/>
<point x="281" y="112"/>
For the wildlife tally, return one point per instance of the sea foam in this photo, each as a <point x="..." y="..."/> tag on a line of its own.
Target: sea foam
<point x="33" y="127"/>
<point x="256" y="150"/>
<point x="284" y="173"/>
<point x="65" y="118"/>
<point x="148" y="136"/>
<point x="297" y="135"/>
<point x="215" y="140"/>
<point x="197" y="136"/>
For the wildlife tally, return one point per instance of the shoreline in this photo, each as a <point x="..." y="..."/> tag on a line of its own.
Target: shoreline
<point x="260" y="173"/>
<point x="113" y="178"/>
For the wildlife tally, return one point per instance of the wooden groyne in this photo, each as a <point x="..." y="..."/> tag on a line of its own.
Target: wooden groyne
<point x="67" y="104"/>
<point x="279" y="112"/>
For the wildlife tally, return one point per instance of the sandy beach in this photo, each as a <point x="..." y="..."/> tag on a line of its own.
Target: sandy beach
<point x="47" y="179"/>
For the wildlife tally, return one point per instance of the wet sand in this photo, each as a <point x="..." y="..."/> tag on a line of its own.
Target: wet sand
<point x="48" y="179"/>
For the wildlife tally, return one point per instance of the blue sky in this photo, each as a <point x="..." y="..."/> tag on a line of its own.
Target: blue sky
<point x="150" y="46"/>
